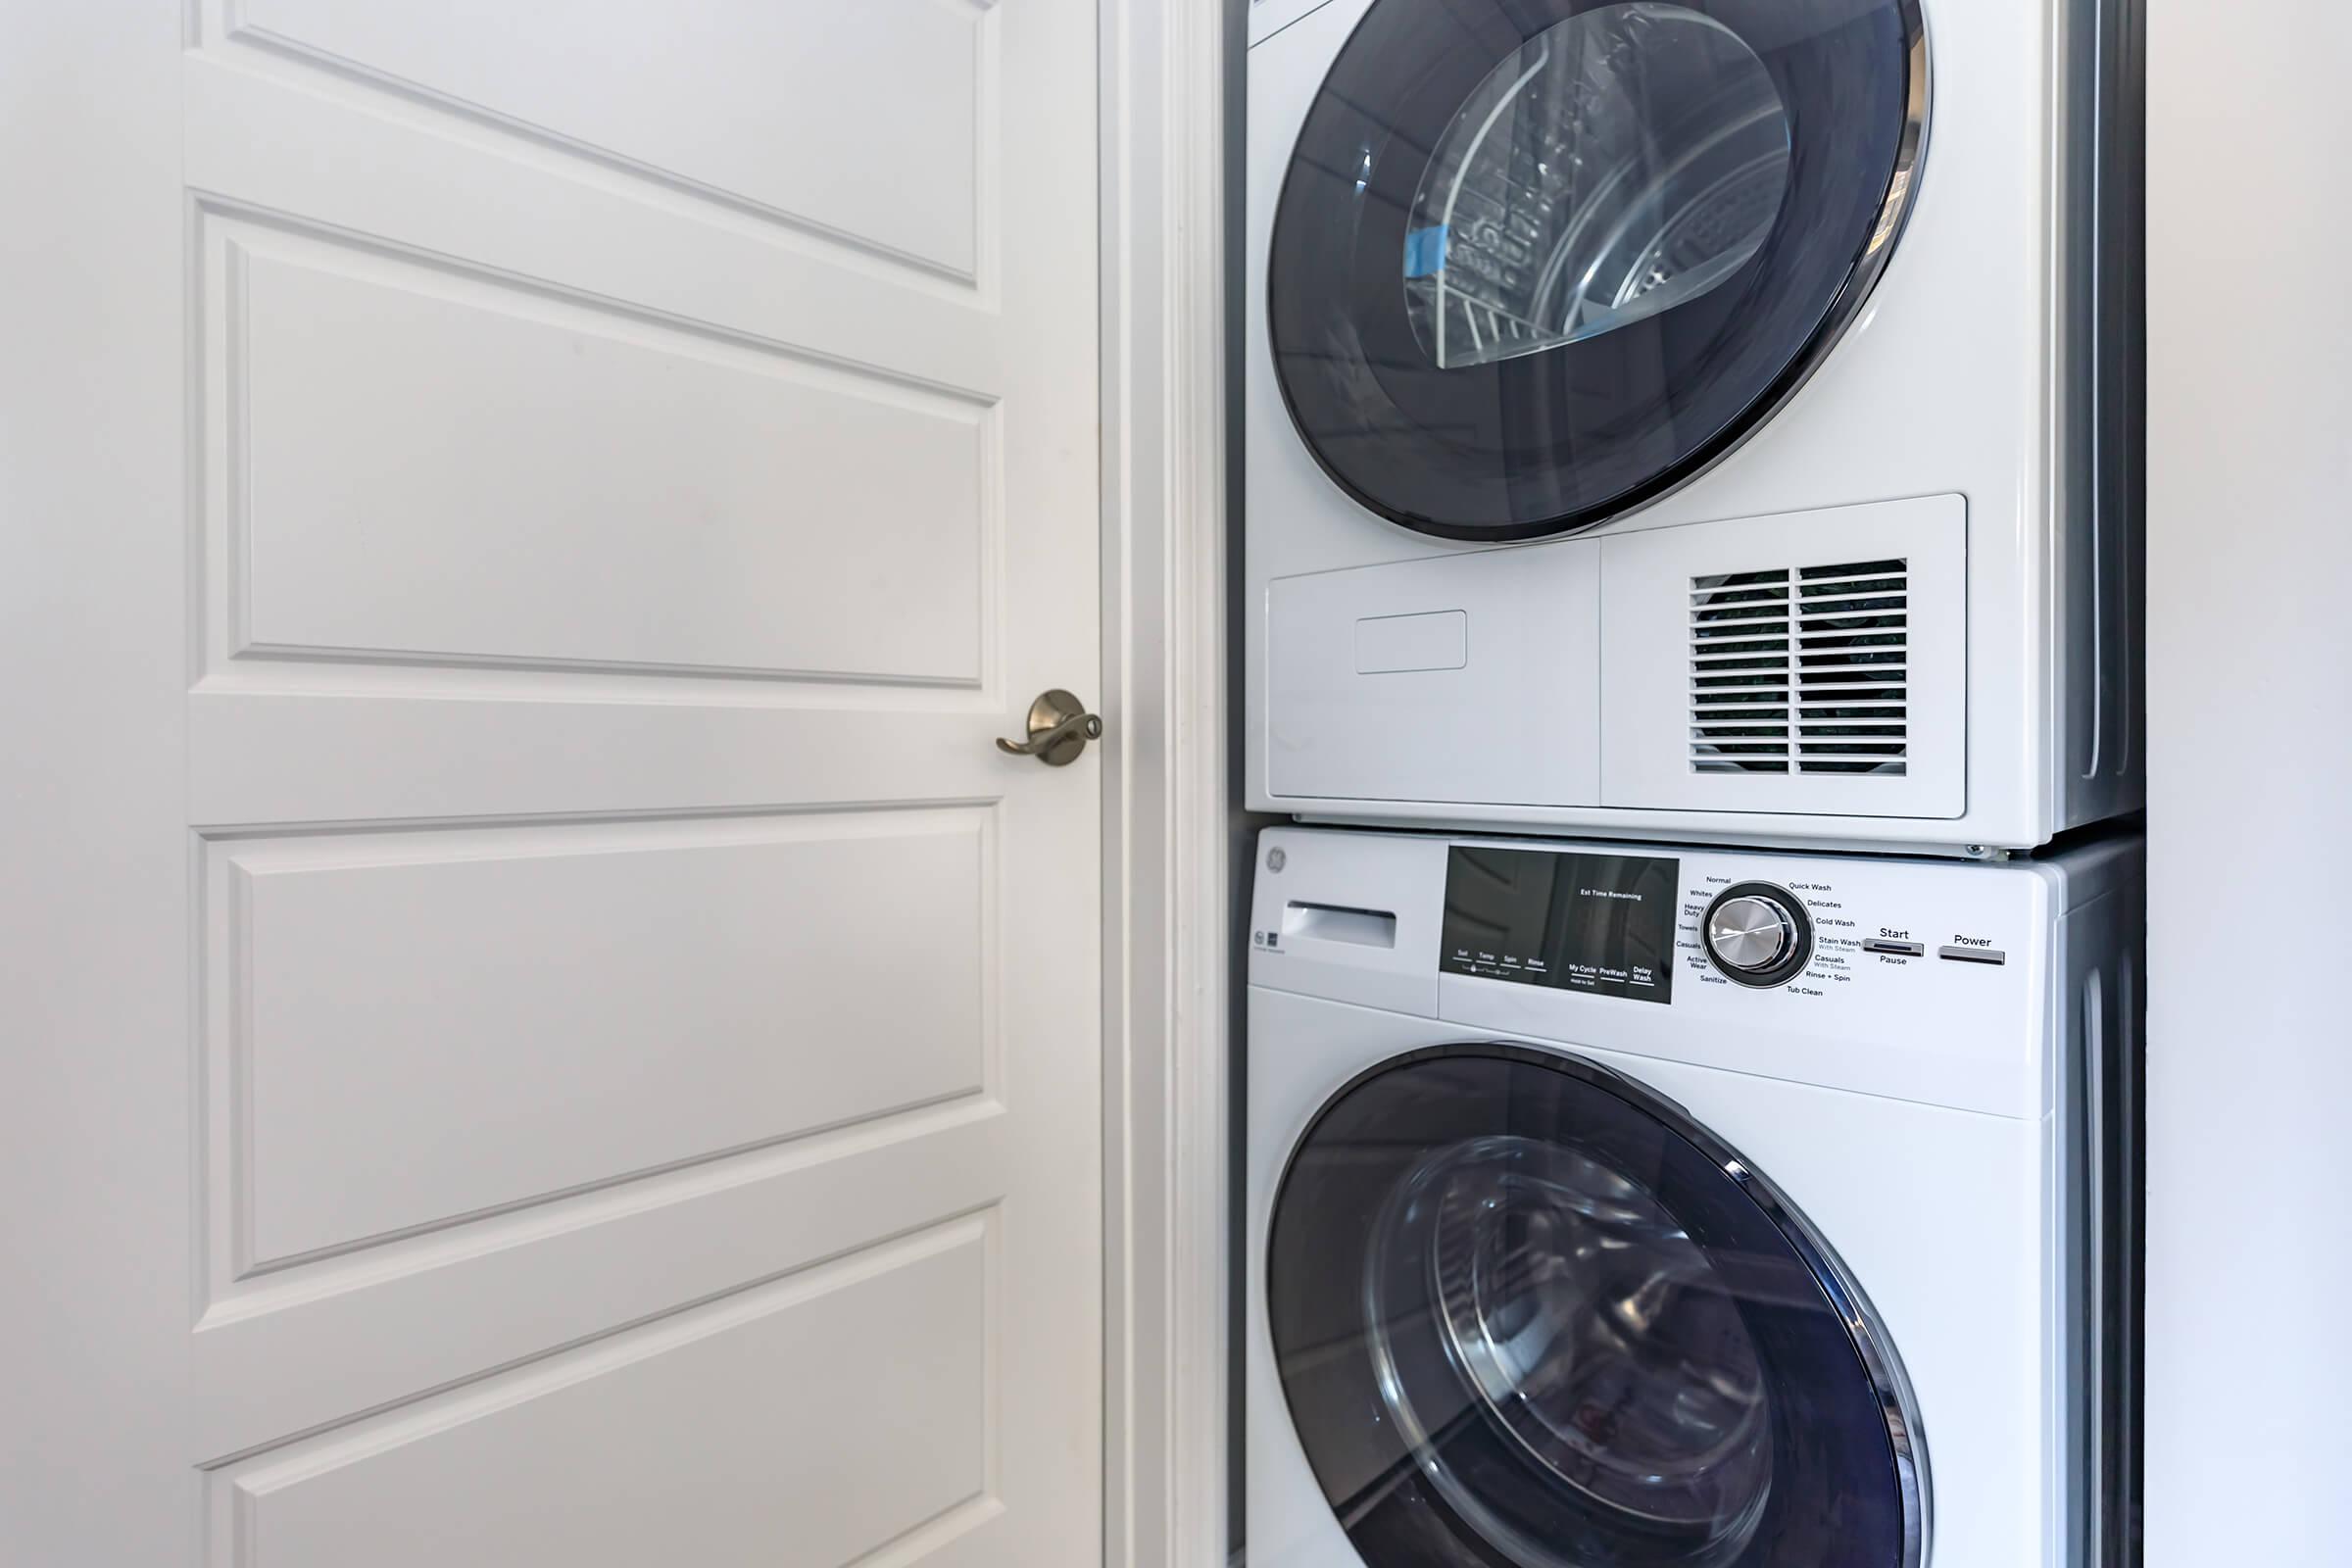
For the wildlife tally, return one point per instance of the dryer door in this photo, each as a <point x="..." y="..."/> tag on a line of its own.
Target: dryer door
<point x="1537" y="261"/>
<point x="1527" y="1313"/>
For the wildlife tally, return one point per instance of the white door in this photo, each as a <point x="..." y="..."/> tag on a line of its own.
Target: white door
<point x="540" y="1027"/>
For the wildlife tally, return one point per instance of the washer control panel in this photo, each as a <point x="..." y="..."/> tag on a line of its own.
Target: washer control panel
<point x="1615" y="924"/>
<point x="1927" y="980"/>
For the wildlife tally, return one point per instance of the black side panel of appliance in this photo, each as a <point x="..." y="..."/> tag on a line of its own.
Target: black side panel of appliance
<point x="2105" y="945"/>
<point x="2110" y="88"/>
<point x="2123" y="1252"/>
<point x="2105" y="301"/>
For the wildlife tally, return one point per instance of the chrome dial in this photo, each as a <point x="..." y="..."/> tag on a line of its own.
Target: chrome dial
<point x="1751" y="933"/>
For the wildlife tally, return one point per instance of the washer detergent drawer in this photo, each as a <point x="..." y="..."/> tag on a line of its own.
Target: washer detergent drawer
<point x="1470" y="678"/>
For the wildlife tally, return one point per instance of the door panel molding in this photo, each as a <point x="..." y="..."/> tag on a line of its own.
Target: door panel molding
<point x="897" y="1342"/>
<point x="937" y="60"/>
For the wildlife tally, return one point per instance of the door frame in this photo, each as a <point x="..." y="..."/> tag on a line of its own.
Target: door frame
<point x="1166" y="893"/>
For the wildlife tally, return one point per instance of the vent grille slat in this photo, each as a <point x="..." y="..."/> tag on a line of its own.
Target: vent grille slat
<point x="1803" y="669"/>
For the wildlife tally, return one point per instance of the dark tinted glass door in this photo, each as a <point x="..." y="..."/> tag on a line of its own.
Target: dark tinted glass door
<point x="1536" y="262"/>
<point x="1528" y="1315"/>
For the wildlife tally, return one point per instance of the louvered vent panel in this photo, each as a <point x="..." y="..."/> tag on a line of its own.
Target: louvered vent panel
<point x="1803" y="671"/>
<point x="1740" y="689"/>
<point x="1853" y="679"/>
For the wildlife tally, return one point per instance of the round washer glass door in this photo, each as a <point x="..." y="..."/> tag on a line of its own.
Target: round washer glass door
<point x="1527" y="1314"/>
<point x="1539" y="262"/>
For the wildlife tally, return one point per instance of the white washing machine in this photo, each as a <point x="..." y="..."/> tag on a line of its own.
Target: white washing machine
<point x="1694" y="419"/>
<point x="1673" y="1209"/>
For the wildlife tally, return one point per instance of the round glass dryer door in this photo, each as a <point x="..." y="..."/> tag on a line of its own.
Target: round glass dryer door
<point x="1539" y="262"/>
<point x="1527" y="1314"/>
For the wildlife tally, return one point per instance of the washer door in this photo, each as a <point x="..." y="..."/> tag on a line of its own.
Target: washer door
<point x="1527" y="1314"/>
<point x="1539" y="262"/>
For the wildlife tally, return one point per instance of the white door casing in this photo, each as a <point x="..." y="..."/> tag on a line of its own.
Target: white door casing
<point x="546" y="1029"/>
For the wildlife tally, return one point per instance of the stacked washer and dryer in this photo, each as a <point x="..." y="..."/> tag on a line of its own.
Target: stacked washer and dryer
<point x="1693" y="620"/>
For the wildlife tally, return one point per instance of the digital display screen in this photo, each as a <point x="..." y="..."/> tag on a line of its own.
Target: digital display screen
<point x="1597" y="923"/>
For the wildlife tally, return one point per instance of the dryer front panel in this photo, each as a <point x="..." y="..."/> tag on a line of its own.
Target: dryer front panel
<point x="1539" y="262"/>
<point x="1525" y="1311"/>
<point x="1811" y="663"/>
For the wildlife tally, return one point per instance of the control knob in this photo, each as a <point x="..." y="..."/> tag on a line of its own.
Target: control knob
<point x="1758" y="935"/>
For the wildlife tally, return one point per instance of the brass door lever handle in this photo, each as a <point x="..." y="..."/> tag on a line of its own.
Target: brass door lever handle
<point x="1059" y="726"/>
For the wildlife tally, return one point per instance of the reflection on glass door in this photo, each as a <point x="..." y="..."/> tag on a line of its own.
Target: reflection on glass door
<point x="1615" y="165"/>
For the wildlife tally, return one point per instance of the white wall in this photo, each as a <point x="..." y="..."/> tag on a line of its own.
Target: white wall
<point x="2250" y="770"/>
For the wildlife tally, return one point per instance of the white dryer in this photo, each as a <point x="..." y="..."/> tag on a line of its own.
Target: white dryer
<point x="1697" y="418"/>
<point x="1676" y="1209"/>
